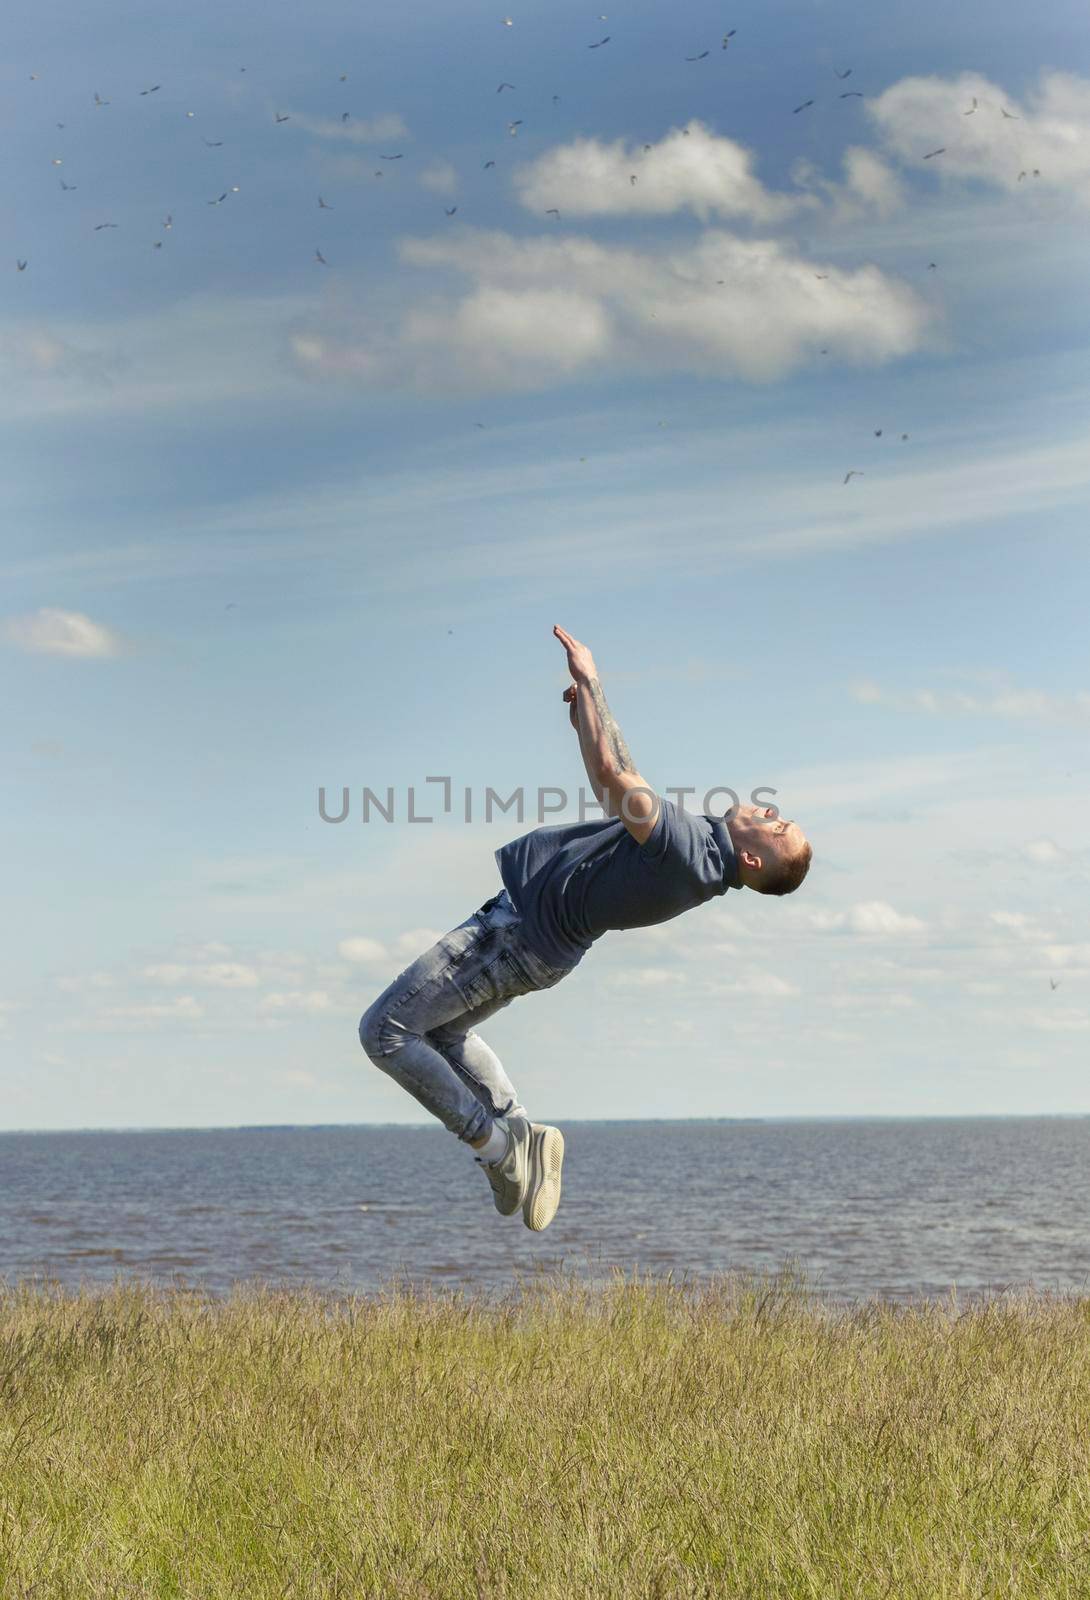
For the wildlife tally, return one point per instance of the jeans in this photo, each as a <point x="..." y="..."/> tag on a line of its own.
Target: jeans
<point x="420" y="1029"/>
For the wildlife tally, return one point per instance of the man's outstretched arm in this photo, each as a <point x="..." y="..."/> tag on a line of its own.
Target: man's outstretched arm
<point x="612" y="772"/>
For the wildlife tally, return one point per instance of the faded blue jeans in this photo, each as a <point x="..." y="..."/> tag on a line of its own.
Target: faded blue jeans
<point x="420" y="1029"/>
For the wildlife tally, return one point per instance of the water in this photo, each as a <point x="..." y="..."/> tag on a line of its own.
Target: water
<point x="899" y="1209"/>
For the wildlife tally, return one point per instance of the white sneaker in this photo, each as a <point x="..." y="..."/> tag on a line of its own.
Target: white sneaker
<point x="543" y="1183"/>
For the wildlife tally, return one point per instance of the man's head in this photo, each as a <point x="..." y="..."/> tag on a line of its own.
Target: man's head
<point x="773" y="855"/>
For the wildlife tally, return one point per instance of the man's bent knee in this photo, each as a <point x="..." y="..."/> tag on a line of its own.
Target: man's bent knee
<point x="376" y="1035"/>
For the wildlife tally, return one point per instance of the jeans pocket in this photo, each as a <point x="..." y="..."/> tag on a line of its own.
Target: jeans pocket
<point x="537" y="973"/>
<point x="497" y="979"/>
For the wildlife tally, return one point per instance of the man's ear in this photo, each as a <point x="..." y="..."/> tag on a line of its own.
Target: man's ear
<point x="753" y="862"/>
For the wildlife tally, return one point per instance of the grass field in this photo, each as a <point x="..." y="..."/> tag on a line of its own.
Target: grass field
<point x="735" y="1439"/>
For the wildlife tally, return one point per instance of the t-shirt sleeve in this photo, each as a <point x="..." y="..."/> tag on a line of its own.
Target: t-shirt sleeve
<point x="682" y="839"/>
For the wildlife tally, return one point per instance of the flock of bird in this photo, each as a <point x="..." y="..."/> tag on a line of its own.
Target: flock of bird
<point x="513" y="127"/>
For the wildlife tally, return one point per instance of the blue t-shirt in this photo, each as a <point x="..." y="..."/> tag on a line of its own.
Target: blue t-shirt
<point x="571" y="884"/>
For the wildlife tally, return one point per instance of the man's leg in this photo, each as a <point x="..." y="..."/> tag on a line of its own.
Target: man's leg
<point x="419" y="1032"/>
<point x="419" y="1029"/>
<point x="475" y="1062"/>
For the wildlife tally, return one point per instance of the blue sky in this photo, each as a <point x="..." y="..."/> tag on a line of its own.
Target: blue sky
<point x="255" y="542"/>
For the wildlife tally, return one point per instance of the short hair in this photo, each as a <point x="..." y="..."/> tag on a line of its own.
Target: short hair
<point x="784" y="876"/>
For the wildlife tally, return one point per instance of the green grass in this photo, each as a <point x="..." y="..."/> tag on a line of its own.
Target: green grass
<point x="735" y="1439"/>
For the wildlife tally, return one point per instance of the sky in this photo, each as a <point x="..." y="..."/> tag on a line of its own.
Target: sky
<point x="596" y="349"/>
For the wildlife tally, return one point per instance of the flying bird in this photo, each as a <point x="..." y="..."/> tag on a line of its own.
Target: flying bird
<point x="552" y="212"/>
<point x="932" y="266"/>
<point x="805" y="103"/>
<point x="57" y="162"/>
<point x="877" y="433"/>
<point x="508" y="23"/>
<point x="904" y="436"/>
<point x="600" y="43"/>
<point x="69" y="186"/>
<point x="851" y="94"/>
<point x="488" y="164"/>
<point x="728" y="36"/>
<point x="100" y="225"/>
<point x="222" y="197"/>
<point x="700" y="57"/>
<point x="1010" y="115"/>
<point x="940" y="151"/>
<point x="1021" y="175"/>
<point x="1054" y="984"/>
<point x="213" y="144"/>
<point x="154" y="88"/>
<point x="398" y="157"/>
<point x="971" y="109"/>
<point x="279" y="118"/>
<point x="450" y="210"/>
<point x="632" y="178"/>
<point x="821" y="274"/>
<point x="20" y="266"/>
<point x="168" y="222"/>
<point x="344" y="116"/>
<point x="157" y="244"/>
<point x="344" y="77"/>
<point x="504" y="86"/>
<point x="318" y="256"/>
<point x="843" y="74"/>
<point x="556" y="99"/>
<point x="513" y="127"/>
<point x="852" y="474"/>
<point x="99" y="100"/>
<point x="322" y="205"/>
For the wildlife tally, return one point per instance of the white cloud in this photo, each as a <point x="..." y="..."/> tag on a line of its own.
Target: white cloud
<point x="1044" y="852"/>
<point x="870" y="187"/>
<point x="366" y="951"/>
<point x="1075" y="957"/>
<point x="764" y="985"/>
<point x="543" y="310"/>
<point x="690" y="169"/>
<point x="62" y="633"/>
<point x="407" y="946"/>
<point x="869" y="917"/>
<point x="1021" y="924"/>
<point x="165" y="972"/>
<point x="648" y="977"/>
<point x="80" y="983"/>
<point x="1049" y="130"/>
<point x="215" y="975"/>
<point x="183" y="1008"/>
<point x="368" y="130"/>
<point x="309" y="1002"/>
<point x="1019" y="704"/>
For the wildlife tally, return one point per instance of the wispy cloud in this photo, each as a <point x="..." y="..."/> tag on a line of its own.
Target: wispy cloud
<point x="366" y="130"/>
<point x="1021" y="704"/>
<point x="53" y="632"/>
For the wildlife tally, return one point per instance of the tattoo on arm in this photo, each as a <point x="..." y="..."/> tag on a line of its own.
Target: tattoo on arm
<point x="613" y="735"/>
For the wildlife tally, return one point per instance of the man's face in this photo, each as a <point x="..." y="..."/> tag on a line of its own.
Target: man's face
<point x="761" y="831"/>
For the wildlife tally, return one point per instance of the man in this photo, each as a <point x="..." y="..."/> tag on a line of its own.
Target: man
<point x="563" y="887"/>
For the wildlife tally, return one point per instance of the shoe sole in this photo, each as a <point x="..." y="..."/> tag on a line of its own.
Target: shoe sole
<point x="543" y="1190"/>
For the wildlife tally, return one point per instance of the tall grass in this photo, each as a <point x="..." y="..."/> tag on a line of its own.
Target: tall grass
<point x="734" y="1439"/>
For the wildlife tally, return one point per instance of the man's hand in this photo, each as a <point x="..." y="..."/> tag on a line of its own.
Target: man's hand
<point x="580" y="661"/>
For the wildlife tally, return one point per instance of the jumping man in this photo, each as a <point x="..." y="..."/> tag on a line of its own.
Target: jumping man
<point x="645" y="862"/>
